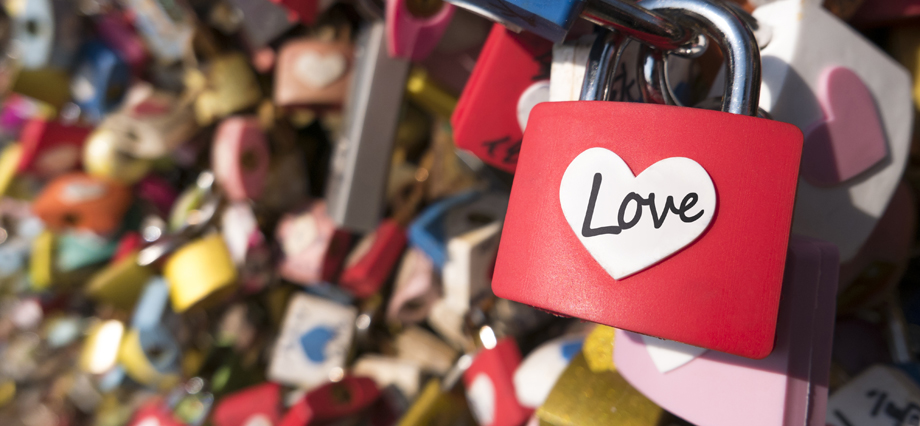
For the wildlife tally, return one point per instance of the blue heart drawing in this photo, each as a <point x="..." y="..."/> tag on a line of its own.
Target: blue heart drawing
<point x="314" y="343"/>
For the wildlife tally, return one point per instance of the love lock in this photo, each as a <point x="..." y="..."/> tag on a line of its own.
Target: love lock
<point x="313" y="72"/>
<point x="646" y="253"/>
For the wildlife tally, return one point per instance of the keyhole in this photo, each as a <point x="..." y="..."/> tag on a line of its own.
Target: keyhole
<point x="71" y="219"/>
<point x="249" y="161"/>
<point x="340" y="394"/>
<point x="424" y="8"/>
<point x="32" y="27"/>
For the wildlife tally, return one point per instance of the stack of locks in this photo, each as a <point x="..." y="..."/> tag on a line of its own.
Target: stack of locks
<point x="472" y="212"/>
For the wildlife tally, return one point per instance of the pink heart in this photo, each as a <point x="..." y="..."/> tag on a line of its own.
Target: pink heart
<point x="850" y="138"/>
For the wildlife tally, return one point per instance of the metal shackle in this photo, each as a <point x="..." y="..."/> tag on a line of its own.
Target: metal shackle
<point x="736" y="40"/>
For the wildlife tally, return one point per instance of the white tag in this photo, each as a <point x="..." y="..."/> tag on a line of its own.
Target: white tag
<point x="628" y="222"/>
<point x="668" y="354"/>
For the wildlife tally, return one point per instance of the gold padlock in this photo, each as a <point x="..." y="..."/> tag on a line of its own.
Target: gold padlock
<point x="428" y="94"/>
<point x="200" y="269"/>
<point x="120" y="283"/>
<point x="227" y="86"/>
<point x="40" y="265"/>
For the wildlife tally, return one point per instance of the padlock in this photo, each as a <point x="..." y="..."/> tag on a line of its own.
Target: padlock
<point x="583" y="396"/>
<point x="437" y="405"/>
<point x="119" y="284"/>
<point x="789" y="387"/>
<point x="881" y="395"/>
<point x="314" y="249"/>
<point x="100" y="349"/>
<point x="47" y="32"/>
<point x="167" y="27"/>
<point x="240" y="229"/>
<point x="77" y="249"/>
<point x="511" y="77"/>
<point x="356" y="184"/>
<point x="258" y="405"/>
<point x="552" y="21"/>
<point x="390" y="371"/>
<point x="698" y="252"/>
<point x="41" y="263"/>
<point x="489" y="385"/>
<point x="415" y="290"/>
<point x="229" y="86"/>
<point x="848" y="174"/>
<point x="190" y="402"/>
<point x="240" y="158"/>
<point x="419" y="346"/>
<point x="373" y="258"/>
<point x="449" y="218"/>
<point x="881" y="262"/>
<point x="100" y="81"/>
<point x="82" y="202"/>
<point x="535" y="377"/>
<point x="150" y="356"/>
<point x="313" y="72"/>
<point x="18" y="110"/>
<point x="313" y="343"/>
<point x="414" y="27"/>
<point x="50" y="148"/>
<point x="199" y="270"/>
<point x="115" y="30"/>
<point x="332" y="401"/>
<point x="152" y="307"/>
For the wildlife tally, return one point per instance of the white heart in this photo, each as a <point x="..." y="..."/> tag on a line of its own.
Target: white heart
<point x="668" y="354"/>
<point x="481" y="395"/>
<point x="319" y="70"/>
<point x="536" y="93"/>
<point x="638" y="244"/>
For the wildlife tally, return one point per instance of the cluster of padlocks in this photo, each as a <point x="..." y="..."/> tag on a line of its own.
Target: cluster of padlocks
<point x="472" y="212"/>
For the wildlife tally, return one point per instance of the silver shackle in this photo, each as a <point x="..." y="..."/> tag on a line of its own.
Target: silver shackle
<point x="733" y="36"/>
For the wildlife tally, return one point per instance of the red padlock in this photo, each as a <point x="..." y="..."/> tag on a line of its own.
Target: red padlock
<point x="50" y="148"/>
<point x="351" y="395"/>
<point x="490" y="386"/>
<point x="258" y="405"/>
<point x="510" y="77"/>
<point x="372" y="260"/>
<point x="667" y="221"/>
<point x="154" y="413"/>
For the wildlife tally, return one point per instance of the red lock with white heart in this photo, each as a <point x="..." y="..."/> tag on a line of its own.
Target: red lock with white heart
<point x="510" y="77"/>
<point x="667" y="221"/>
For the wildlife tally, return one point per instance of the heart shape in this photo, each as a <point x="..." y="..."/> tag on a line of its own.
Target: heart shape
<point x="628" y="223"/>
<point x="850" y="138"/>
<point x="318" y="70"/>
<point x="668" y="355"/>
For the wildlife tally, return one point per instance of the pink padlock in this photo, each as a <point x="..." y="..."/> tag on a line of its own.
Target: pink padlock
<point x="415" y="291"/>
<point x="240" y="158"/>
<point x="789" y="387"/>
<point x="414" y="27"/>
<point x="312" y="246"/>
<point x="50" y="148"/>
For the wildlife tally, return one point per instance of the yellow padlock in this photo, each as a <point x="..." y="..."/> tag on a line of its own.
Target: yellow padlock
<point x="598" y="349"/>
<point x="228" y="85"/>
<point x="434" y="406"/>
<point x="100" y="349"/>
<point x="9" y="162"/>
<point x="119" y="284"/>
<point x="428" y="94"/>
<point x="200" y="269"/>
<point x="140" y="367"/>
<point x="40" y="265"/>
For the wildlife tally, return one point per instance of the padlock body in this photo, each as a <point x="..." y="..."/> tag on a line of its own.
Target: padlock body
<point x="720" y="291"/>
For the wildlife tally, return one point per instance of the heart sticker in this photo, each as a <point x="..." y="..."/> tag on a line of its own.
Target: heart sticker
<point x="628" y="223"/>
<point x="668" y="355"/>
<point x="481" y="395"/>
<point x="320" y="70"/>
<point x="850" y="138"/>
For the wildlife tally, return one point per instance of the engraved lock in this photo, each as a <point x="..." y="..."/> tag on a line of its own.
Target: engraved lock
<point x="332" y="401"/>
<point x="166" y="26"/>
<point x="82" y="202"/>
<point x="50" y="148"/>
<point x="881" y="395"/>
<point x="599" y="233"/>
<point x="314" y="342"/>
<point x="229" y="86"/>
<point x="198" y="270"/>
<point x="357" y="180"/>
<point x="510" y="78"/>
<point x="538" y="372"/>
<point x="489" y="383"/>
<point x="313" y="72"/>
<point x="414" y="27"/>
<point x="100" y="81"/>
<point x="256" y="405"/>
<point x="240" y="158"/>
<point x="677" y="376"/>
<point x="855" y="145"/>
<point x="588" y="397"/>
<point x="313" y="248"/>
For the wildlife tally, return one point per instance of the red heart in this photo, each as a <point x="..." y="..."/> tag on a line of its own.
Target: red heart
<point x="850" y="139"/>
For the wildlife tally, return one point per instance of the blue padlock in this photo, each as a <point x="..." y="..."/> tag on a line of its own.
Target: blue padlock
<point x="100" y="81"/>
<point x="152" y="306"/>
<point x="427" y="231"/>
<point x="553" y="19"/>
